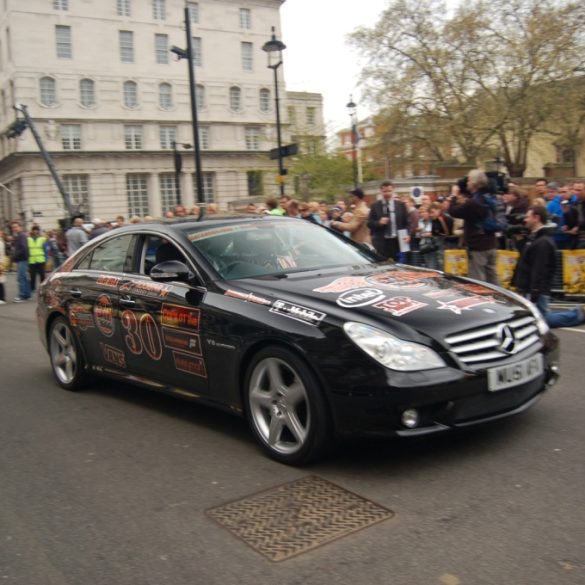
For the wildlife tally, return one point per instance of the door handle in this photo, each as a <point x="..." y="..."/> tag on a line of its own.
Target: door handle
<point x="127" y="302"/>
<point x="75" y="292"/>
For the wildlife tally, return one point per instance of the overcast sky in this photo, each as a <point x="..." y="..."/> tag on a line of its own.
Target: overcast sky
<point x="317" y="57"/>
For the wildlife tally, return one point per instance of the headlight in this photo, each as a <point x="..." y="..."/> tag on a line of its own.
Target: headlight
<point x="390" y="351"/>
<point x="543" y="328"/>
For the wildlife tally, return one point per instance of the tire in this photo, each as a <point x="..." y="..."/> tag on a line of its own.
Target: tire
<point x="285" y="407"/>
<point x="67" y="359"/>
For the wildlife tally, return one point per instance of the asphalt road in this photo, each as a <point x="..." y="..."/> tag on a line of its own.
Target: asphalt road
<point x="110" y="487"/>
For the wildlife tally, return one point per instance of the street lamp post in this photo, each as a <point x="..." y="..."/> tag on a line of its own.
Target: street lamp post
<point x="352" y="108"/>
<point x="188" y="54"/>
<point x="274" y="49"/>
<point x="178" y="161"/>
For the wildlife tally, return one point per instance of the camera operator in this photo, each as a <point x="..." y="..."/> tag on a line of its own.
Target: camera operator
<point x="517" y="204"/>
<point x="481" y="246"/>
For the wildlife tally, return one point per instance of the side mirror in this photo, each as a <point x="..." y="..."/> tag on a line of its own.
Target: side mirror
<point x="171" y="270"/>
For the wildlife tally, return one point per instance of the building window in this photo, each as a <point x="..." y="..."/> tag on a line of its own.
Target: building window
<point x="87" y="93"/>
<point x="123" y="7"/>
<point x="48" y="91"/>
<point x="208" y="180"/>
<point x="252" y="139"/>
<point x="130" y="94"/>
<point x="61" y="4"/>
<point x="168" y="191"/>
<point x="247" y="57"/>
<point x="264" y="98"/>
<point x="200" y="96"/>
<point x="63" y="40"/>
<point x="126" y="46"/>
<point x="71" y="136"/>
<point x="168" y="135"/>
<point x="161" y="49"/>
<point x="245" y="18"/>
<point x="193" y="11"/>
<point x="255" y="183"/>
<point x="133" y="137"/>
<point x="165" y="96"/>
<point x="235" y="99"/>
<point x="292" y="116"/>
<point x="311" y="116"/>
<point x="204" y="137"/>
<point x="78" y="188"/>
<point x="159" y="9"/>
<point x="137" y="195"/>
<point x="197" y="51"/>
<point x="565" y="154"/>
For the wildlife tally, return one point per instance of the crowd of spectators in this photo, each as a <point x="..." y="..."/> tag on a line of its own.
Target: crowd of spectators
<point x="399" y="227"/>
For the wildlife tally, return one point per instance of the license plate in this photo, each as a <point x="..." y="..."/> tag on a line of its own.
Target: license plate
<point x="515" y="374"/>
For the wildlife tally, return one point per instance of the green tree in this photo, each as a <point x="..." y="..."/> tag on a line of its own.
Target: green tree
<point x="486" y="78"/>
<point x="321" y="176"/>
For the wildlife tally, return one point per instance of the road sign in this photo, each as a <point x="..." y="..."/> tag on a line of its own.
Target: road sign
<point x="286" y="150"/>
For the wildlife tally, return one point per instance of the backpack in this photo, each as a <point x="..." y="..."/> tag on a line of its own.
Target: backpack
<point x="495" y="220"/>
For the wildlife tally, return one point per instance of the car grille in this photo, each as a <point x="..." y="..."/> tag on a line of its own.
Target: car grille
<point x="494" y="342"/>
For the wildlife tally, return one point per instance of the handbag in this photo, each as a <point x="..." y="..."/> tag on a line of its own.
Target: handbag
<point x="428" y="247"/>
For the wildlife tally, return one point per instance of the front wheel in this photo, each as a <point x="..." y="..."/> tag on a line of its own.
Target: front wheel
<point x="66" y="357"/>
<point x="286" y="408"/>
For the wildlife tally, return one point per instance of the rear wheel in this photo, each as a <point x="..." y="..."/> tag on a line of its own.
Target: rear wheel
<point x="286" y="408"/>
<point x="66" y="357"/>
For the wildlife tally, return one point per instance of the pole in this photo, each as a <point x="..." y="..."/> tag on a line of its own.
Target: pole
<point x="194" y="116"/>
<point x="178" y="162"/>
<point x="354" y="149"/>
<point x="281" y="170"/>
<point x="66" y="199"/>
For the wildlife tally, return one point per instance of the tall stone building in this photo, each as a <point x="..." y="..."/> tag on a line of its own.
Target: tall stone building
<point x="110" y="102"/>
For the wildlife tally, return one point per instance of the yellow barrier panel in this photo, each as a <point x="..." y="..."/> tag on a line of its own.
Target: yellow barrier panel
<point x="574" y="271"/>
<point x="456" y="262"/>
<point x="506" y="261"/>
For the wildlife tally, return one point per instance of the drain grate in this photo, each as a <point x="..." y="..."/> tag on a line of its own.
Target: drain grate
<point x="296" y="517"/>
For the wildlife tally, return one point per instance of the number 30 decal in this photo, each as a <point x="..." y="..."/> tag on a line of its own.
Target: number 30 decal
<point x="142" y="335"/>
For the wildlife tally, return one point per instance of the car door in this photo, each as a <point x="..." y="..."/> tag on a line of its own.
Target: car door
<point x="161" y="322"/>
<point x="94" y="302"/>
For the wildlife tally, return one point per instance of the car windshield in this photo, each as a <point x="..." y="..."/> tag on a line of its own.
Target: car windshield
<point x="265" y="247"/>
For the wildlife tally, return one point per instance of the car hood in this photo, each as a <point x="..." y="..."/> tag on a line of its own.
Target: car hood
<point x="402" y="297"/>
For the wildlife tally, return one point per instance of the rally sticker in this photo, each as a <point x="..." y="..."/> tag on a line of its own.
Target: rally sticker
<point x="342" y="284"/>
<point x="103" y="313"/>
<point x="360" y="297"/>
<point x="182" y="341"/>
<point x="297" y="312"/>
<point x="248" y="297"/>
<point x="190" y="364"/>
<point x="476" y="289"/>
<point x="405" y="279"/>
<point x="180" y="317"/>
<point x="464" y="304"/>
<point x="399" y="306"/>
<point x="107" y="281"/>
<point x="147" y="289"/>
<point x="113" y="355"/>
<point x="80" y="316"/>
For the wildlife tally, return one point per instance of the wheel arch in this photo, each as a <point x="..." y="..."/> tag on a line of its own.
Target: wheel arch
<point x="258" y="346"/>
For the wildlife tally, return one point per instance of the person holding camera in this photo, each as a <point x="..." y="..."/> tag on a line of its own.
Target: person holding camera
<point x="481" y="245"/>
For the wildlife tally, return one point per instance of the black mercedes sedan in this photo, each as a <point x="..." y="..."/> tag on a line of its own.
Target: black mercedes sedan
<point x="306" y="334"/>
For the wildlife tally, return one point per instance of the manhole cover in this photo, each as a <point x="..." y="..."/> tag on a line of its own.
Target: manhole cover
<point x="296" y="517"/>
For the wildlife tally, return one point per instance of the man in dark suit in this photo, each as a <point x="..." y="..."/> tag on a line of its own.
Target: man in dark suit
<point x="387" y="216"/>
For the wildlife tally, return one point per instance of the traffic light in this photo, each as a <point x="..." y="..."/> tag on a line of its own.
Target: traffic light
<point x="16" y="128"/>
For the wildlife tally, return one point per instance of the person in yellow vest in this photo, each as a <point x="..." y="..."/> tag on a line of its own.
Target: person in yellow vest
<point x="37" y="257"/>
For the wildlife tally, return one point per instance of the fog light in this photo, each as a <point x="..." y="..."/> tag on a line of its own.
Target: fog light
<point x="410" y="418"/>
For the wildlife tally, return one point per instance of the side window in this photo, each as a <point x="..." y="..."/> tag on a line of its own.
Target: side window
<point x="157" y="250"/>
<point x="113" y="255"/>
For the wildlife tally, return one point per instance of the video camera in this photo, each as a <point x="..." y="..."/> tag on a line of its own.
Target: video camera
<point x="498" y="183"/>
